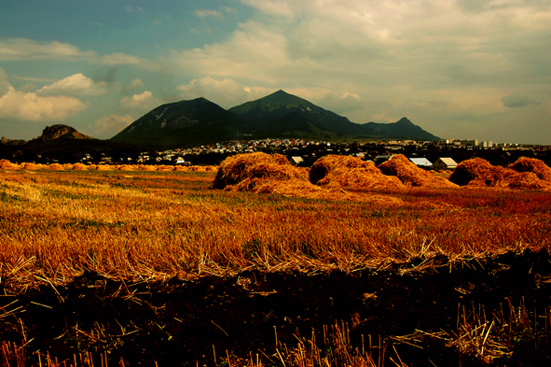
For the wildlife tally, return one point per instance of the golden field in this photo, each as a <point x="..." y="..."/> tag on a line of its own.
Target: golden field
<point x="151" y="225"/>
<point x="136" y="226"/>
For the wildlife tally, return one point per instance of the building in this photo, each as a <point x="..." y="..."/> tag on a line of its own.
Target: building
<point x="444" y="163"/>
<point x="421" y="162"/>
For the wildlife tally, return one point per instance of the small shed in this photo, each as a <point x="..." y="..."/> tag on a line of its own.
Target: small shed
<point x="444" y="163"/>
<point x="296" y="160"/>
<point x="421" y="162"/>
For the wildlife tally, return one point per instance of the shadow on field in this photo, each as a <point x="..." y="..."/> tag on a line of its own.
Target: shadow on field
<point x="492" y="311"/>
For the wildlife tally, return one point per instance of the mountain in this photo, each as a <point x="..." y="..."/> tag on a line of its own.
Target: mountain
<point x="280" y="114"/>
<point x="60" y="131"/>
<point x="291" y="116"/>
<point x="185" y="123"/>
<point x="58" y="143"/>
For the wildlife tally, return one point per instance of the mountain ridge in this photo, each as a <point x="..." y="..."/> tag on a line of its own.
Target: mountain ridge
<point x="279" y="114"/>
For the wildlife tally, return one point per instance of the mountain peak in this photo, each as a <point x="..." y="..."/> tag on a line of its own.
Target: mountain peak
<point x="61" y="131"/>
<point x="404" y="121"/>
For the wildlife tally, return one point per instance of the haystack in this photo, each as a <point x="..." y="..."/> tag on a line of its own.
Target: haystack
<point x="56" y="167"/>
<point x="147" y="168"/>
<point x="125" y="167"/>
<point x="29" y="166"/>
<point x="478" y="172"/>
<point x="536" y="166"/>
<point x="337" y="171"/>
<point x="252" y="169"/>
<point x="67" y="166"/>
<point x="79" y="167"/>
<point x="103" y="167"/>
<point x="411" y="175"/>
<point x="273" y="174"/>
<point x="6" y="164"/>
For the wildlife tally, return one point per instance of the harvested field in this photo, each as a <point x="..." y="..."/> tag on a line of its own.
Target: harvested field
<point x="411" y="175"/>
<point x="158" y="267"/>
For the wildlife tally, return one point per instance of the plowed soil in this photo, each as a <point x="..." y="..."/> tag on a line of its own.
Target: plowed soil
<point x="178" y="322"/>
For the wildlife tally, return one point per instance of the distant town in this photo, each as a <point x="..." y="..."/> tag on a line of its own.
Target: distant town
<point x="305" y="152"/>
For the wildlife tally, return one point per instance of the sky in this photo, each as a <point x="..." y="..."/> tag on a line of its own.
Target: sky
<point x="460" y="69"/>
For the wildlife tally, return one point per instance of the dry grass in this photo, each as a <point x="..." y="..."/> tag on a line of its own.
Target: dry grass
<point x="144" y="225"/>
<point x="411" y="175"/>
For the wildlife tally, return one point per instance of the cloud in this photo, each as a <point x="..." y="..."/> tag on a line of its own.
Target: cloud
<point x="76" y="84"/>
<point x="517" y="100"/>
<point x="25" y="49"/>
<point x="144" y="100"/>
<point x="14" y="49"/>
<point x="31" y="106"/>
<point x="110" y="125"/>
<point x="209" y="13"/>
<point x="226" y="93"/>
<point x="254" y="51"/>
<point x="119" y="58"/>
<point x="136" y="83"/>
<point x="273" y="7"/>
<point x="133" y="9"/>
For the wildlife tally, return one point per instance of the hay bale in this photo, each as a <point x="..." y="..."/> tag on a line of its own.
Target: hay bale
<point x="411" y="175"/>
<point x="147" y="168"/>
<point x="67" y="166"/>
<point x="29" y="166"/>
<point x="337" y="171"/>
<point x="79" y="167"/>
<point x="528" y="181"/>
<point x="56" y="167"/>
<point x="478" y="172"/>
<point x="125" y="167"/>
<point x="103" y="167"/>
<point x="7" y="165"/>
<point x="536" y="166"/>
<point x="250" y="169"/>
<point x="471" y="169"/>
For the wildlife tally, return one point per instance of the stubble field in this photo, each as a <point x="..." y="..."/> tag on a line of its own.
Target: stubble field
<point x="138" y="268"/>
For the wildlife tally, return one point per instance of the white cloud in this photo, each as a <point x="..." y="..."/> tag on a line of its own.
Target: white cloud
<point x="136" y="83"/>
<point x="119" y="58"/>
<point x="77" y="84"/>
<point x="144" y="101"/>
<point x="24" y="49"/>
<point x="254" y="51"/>
<point x="110" y="125"/>
<point x="209" y="13"/>
<point x="226" y="93"/>
<point x="31" y="106"/>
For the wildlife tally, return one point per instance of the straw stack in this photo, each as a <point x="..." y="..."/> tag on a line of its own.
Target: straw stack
<point x="411" y="175"/>
<point x="336" y="171"/>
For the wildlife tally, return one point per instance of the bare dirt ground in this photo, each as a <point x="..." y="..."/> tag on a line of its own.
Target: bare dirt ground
<point x="493" y="311"/>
